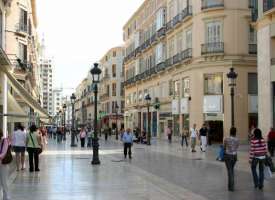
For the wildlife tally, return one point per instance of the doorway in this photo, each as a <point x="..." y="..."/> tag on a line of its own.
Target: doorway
<point x="216" y="131"/>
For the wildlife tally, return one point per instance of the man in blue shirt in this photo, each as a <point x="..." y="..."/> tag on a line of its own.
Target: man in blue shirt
<point x="127" y="139"/>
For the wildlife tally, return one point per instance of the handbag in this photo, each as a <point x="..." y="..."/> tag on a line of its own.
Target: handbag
<point x="267" y="173"/>
<point x="8" y="157"/>
<point x="39" y="149"/>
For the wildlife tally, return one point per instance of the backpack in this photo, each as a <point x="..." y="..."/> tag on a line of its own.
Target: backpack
<point x="8" y="157"/>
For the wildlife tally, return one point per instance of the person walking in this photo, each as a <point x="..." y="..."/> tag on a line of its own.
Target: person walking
<point x="184" y="136"/>
<point x="34" y="145"/>
<point x="89" y="137"/>
<point x="127" y="140"/>
<point x="4" y="169"/>
<point x="193" y="136"/>
<point x="59" y="135"/>
<point x="271" y="141"/>
<point x="82" y="137"/>
<point x="203" y="137"/>
<point x="19" y="146"/>
<point x="169" y="134"/>
<point x="231" y="145"/>
<point x="258" y="151"/>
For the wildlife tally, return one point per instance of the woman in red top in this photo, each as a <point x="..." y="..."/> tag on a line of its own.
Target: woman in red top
<point x="258" y="151"/>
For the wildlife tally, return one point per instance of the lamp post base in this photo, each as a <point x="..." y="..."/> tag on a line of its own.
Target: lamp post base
<point x="95" y="160"/>
<point x="73" y="145"/>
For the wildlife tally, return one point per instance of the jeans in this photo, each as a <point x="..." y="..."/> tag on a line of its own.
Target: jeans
<point x="271" y="147"/>
<point x="230" y="161"/>
<point x="184" y="138"/>
<point x="4" y="170"/>
<point x="258" y="180"/>
<point x="127" y="146"/>
<point x="82" y="141"/>
<point x="33" y="155"/>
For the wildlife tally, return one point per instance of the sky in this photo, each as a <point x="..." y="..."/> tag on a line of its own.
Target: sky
<point x="79" y="32"/>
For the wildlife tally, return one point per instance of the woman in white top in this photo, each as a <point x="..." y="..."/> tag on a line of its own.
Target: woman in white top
<point x="19" y="146"/>
<point x="193" y="137"/>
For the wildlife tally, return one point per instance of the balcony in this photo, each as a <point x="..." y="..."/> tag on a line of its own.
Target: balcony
<point x="212" y="48"/>
<point x="177" y="19"/>
<point x="153" y="38"/>
<point x="169" y="26"/>
<point x="186" y="54"/>
<point x="161" y="32"/>
<point x="176" y="58"/>
<point x="160" y="66"/>
<point x="252" y="48"/>
<point x="207" y="4"/>
<point x="268" y="5"/>
<point x="21" y="29"/>
<point x="187" y="12"/>
<point x="169" y="62"/>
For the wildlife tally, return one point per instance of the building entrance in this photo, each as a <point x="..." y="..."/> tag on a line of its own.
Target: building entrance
<point x="216" y="131"/>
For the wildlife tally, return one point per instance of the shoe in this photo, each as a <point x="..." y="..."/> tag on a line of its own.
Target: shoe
<point x="37" y="170"/>
<point x="261" y="187"/>
<point x="130" y="157"/>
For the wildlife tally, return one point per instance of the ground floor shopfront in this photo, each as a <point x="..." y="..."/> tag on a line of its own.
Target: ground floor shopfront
<point x="204" y="98"/>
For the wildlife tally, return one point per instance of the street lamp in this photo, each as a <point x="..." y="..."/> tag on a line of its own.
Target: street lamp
<point x="73" y="98"/>
<point x="95" y="71"/>
<point x="116" y="107"/>
<point x="148" y="100"/>
<point x="232" y="76"/>
<point x="64" y="122"/>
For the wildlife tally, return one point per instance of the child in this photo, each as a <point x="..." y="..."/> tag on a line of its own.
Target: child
<point x="221" y="154"/>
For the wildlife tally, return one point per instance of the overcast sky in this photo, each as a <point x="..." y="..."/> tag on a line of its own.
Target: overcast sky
<point x="79" y="32"/>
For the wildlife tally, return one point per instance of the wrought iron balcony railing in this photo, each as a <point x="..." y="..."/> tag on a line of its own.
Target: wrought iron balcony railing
<point x="169" y="62"/>
<point x="213" y="47"/>
<point x="187" y="53"/>
<point x="268" y="5"/>
<point x="252" y="48"/>
<point x="205" y="4"/>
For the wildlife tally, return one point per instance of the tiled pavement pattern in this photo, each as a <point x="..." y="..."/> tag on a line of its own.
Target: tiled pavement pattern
<point x="159" y="172"/>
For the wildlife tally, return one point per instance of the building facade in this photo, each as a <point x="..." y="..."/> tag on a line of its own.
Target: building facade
<point x="20" y="89"/>
<point x="179" y="52"/>
<point x="265" y="26"/>
<point x="84" y="107"/>
<point x="57" y="100"/>
<point x="46" y="74"/>
<point x="112" y="92"/>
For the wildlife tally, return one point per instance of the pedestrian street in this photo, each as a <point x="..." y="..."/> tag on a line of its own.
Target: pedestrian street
<point x="161" y="171"/>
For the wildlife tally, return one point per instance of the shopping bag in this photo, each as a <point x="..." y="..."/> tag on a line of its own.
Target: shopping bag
<point x="267" y="173"/>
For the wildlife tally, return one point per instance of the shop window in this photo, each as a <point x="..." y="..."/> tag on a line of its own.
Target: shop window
<point x="186" y="87"/>
<point x="252" y="83"/>
<point x="213" y="84"/>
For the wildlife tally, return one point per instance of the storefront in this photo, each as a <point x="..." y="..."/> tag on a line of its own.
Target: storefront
<point x="213" y="116"/>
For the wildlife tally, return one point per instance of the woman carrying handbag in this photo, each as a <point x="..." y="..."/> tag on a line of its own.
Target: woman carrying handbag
<point x="34" y="148"/>
<point x="5" y="159"/>
<point x="258" y="152"/>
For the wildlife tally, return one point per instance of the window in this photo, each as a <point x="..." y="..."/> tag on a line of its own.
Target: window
<point x="179" y="42"/>
<point x="185" y="87"/>
<point x="108" y="90"/>
<point x="114" y="89"/>
<point x="23" y="54"/>
<point x="171" y="47"/>
<point x="177" y="88"/>
<point x="135" y="97"/>
<point x="171" y="89"/>
<point x="188" y="39"/>
<point x="121" y="89"/>
<point x="213" y="84"/>
<point x="214" y="32"/>
<point x="161" y="15"/>
<point x="114" y="53"/>
<point x="23" y="21"/>
<point x="114" y="70"/>
<point x="160" y="54"/>
<point x="140" y="96"/>
<point x="252" y="83"/>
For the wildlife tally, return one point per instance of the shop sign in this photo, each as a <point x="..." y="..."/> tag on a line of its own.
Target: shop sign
<point x="252" y="104"/>
<point x="175" y="107"/>
<point x="213" y="104"/>
<point x="165" y="115"/>
<point x="184" y="106"/>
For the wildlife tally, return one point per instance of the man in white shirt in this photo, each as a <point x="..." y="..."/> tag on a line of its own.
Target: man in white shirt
<point x="193" y="136"/>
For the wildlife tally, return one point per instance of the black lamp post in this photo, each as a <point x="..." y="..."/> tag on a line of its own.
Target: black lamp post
<point x="232" y="76"/>
<point x="96" y="74"/>
<point x="73" y="98"/>
<point x="64" y="119"/>
<point x="117" y="107"/>
<point x="60" y="117"/>
<point x="148" y="100"/>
